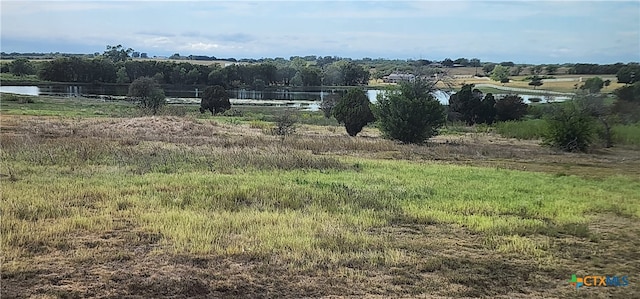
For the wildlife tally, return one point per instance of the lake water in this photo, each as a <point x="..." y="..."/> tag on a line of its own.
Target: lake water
<point x="305" y="99"/>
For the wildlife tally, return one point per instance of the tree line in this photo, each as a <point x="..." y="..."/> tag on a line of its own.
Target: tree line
<point x="115" y="66"/>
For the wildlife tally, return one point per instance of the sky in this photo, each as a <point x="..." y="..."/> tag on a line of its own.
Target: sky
<point x="520" y="31"/>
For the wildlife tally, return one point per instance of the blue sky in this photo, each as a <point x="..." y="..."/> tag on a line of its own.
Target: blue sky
<point x="518" y="31"/>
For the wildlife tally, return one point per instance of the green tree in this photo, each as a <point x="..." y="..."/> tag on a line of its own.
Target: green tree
<point x="21" y="67"/>
<point x="215" y="99"/>
<point x="593" y="85"/>
<point x="629" y="74"/>
<point x="535" y="82"/>
<point x="551" y="69"/>
<point x="569" y="128"/>
<point x="627" y="105"/>
<point x="466" y="103"/>
<point x="353" y="111"/>
<point x="487" y="111"/>
<point x="121" y="75"/>
<point x="500" y="73"/>
<point x="536" y="70"/>
<point x="410" y="113"/>
<point x="487" y="68"/>
<point x="511" y="107"/>
<point x="117" y="53"/>
<point x="149" y="94"/>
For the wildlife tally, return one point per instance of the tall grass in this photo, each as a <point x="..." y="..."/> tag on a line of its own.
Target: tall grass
<point x="626" y="134"/>
<point x="526" y="129"/>
<point x="284" y="205"/>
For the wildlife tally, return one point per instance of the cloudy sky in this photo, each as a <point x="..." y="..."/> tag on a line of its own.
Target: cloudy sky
<point x="518" y="31"/>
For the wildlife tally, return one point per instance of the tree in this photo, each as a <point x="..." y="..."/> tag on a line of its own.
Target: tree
<point x="487" y="68"/>
<point x="328" y="102"/>
<point x="511" y="107"/>
<point x="593" y="85"/>
<point x="535" y="82"/>
<point x="353" y="111"/>
<point x="447" y="62"/>
<point x="148" y="92"/>
<point x="117" y="53"/>
<point x="21" y="67"/>
<point x="466" y="103"/>
<point x="628" y="104"/>
<point x="121" y="75"/>
<point x="500" y="73"/>
<point x="569" y="128"/>
<point x="551" y="69"/>
<point x="536" y="70"/>
<point x="410" y="114"/>
<point x="517" y="70"/>
<point x="629" y="74"/>
<point x="487" y="111"/>
<point x="593" y="105"/>
<point x="215" y="99"/>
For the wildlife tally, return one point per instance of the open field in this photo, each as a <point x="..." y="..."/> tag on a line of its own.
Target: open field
<point x="115" y="204"/>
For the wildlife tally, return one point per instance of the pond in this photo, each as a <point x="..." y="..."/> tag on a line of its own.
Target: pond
<point x="188" y="95"/>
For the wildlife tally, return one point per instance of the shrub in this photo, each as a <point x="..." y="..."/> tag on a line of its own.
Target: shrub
<point x="285" y="123"/>
<point x="569" y="128"/>
<point x="410" y="114"/>
<point x="511" y="107"/>
<point x="215" y="99"/>
<point x="149" y="94"/>
<point x="353" y="110"/>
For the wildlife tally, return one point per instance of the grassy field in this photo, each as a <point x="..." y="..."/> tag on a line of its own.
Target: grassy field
<point x="115" y="204"/>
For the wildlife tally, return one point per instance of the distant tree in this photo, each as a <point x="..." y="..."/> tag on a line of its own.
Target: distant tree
<point x="511" y="107"/>
<point x="536" y="70"/>
<point x="516" y="71"/>
<point x="461" y="61"/>
<point x="354" y="74"/>
<point x="215" y="99"/>
<point x="117" y="53"/>
<point x="410" y="113"/>
<point x="507" y="63"/>
<point x="500" y="73"/>
<point x="487" y="68"/>
<point x="21" y="67"/>
<point x="149" y="94"/>
<point x="629" y="74"/>
<point x="192" y="77"/>
<point x="175" y="56"/>
<point x="593" y="85"/>
<point x="121" y="75"/>
<point x="535" y="82"/>
<point x="144" y="55"/>
<point x="607" y="82"/>
<point x="328" y="102"/>
<point x="135" y="54"/>
<point x="474" y="62"/>
<point x="551" y="69"/>
<point x="447" y="62"/>
<point x="353" y="111"/>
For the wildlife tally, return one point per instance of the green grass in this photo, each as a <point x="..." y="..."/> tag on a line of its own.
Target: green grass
<point x="303" y="208"/>
<point x="527" y="129"/>
<point x="162" y="194"/>
<point x="626" y="134"/>
<point x="7" y="78"/>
